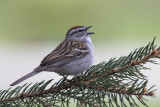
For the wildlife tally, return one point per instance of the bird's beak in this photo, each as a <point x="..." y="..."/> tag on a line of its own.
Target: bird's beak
<point x="89" y="33"/>
<point x="88" y="27"/>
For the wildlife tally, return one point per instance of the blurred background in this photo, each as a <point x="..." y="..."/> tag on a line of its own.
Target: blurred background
<point x="30" y="29"/>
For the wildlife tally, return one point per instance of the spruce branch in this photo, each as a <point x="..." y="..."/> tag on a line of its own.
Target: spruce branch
<point x="118" y="82"/>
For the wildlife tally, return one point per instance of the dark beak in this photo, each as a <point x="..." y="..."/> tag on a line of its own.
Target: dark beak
<point x="88" y="27"/>
<point x="89" y="33"/>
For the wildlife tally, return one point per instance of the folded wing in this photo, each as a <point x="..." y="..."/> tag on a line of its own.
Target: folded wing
<point x="67" y="51"/>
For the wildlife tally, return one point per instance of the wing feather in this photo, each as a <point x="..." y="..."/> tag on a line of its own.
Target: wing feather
<point x="67" y="51"/>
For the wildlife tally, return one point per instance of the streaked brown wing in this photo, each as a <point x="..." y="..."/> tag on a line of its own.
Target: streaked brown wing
<point x="67" y="51"/>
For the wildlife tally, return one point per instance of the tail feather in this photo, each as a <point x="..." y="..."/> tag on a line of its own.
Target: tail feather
<point x="25" y="77"/>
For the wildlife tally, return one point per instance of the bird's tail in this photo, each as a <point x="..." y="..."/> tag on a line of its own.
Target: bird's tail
<point x="25" y="77"/>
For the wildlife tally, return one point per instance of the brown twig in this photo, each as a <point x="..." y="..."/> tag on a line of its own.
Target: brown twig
<point x="154" y="54"/>
<point x="28" y="95"/>
<point x="74" y="82"/>
<point x="121" y="91"/>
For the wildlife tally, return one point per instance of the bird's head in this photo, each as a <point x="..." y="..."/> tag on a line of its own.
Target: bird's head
<point x="79" y="33"/>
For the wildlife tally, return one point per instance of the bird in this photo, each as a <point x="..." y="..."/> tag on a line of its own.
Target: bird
<point x="72" y="56"/>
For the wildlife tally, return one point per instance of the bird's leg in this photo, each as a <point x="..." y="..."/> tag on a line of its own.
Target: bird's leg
<point x="65" y="78"/>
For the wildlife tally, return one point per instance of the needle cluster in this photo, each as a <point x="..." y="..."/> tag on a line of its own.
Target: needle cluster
<point x="117" y="82"/>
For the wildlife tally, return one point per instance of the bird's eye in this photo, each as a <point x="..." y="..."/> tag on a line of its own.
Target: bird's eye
<point x="80" y="30"/>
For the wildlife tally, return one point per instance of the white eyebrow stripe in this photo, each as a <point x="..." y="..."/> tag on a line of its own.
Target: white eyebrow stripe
<point x="75" y="30"/>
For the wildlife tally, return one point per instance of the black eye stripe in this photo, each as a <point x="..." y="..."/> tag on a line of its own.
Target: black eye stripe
<point x="80" y="30"/>
<point x="73" y="31"/>
<point x="77" y="31"/>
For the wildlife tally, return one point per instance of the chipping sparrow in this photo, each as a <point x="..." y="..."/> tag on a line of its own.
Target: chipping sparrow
<point x="73" y="56"/>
